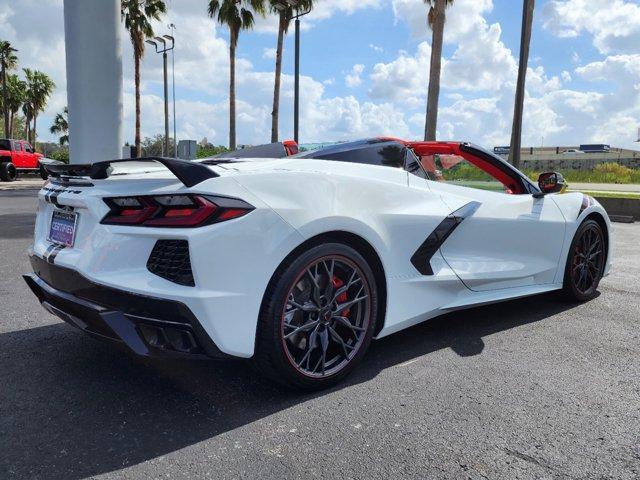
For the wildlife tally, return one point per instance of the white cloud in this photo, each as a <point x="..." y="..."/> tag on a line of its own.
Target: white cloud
<point x="615" y="25"/>
<point x="460" y="16"/>
<point x="269" y="53"/>
<point x="353" y="79"/>
<point x="404" y="79"/>
<point x="477" y="80"/>
<point x="323" y="10"/>
<point x="480" y="61"/>
<point x="376" y="48"/>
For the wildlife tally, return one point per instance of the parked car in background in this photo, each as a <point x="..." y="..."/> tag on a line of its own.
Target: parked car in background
<point x="572" y="151"/>
<point x="19" y="156"/>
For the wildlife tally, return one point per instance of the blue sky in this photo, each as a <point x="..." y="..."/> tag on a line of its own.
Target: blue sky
<point x="365" y="65"/>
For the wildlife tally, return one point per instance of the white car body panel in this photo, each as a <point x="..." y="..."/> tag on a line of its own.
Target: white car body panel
<point x="486" y="252"/>
<point x="512" y="246"/>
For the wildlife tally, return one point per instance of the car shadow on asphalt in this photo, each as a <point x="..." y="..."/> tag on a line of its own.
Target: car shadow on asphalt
<point x="72" y="407"/>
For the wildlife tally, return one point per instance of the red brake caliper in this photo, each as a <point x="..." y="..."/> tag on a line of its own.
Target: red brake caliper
<point x="337" y="283"/>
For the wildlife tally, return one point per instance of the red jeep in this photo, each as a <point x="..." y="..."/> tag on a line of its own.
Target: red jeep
<point x="18" y="155"/>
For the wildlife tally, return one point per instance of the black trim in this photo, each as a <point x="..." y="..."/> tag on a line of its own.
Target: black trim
<point x="84" y="304"/>
<point x="189" y="173"/>
<point x="422" y="257"/>
<point x="52" y="252"/>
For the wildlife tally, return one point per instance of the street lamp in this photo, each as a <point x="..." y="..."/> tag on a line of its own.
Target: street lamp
<point x="173" y="87"/>
<point x="160" y="44"/>
<point x="282" y="5"/>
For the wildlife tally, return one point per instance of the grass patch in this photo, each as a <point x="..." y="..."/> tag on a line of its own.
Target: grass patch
<point x="604" y="173"/>
<point x="596" y="194"/>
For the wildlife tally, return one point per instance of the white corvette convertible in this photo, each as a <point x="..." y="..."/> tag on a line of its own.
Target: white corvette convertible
<point x="298" y="262"/>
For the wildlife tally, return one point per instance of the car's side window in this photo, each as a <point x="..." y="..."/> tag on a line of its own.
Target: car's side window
<point x="455" y="170"/>
<point x="27" y="147"/>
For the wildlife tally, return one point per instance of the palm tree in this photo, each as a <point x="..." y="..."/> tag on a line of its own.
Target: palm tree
<point x="27" y="106"/>
<point x="39" y="89"/>
<point x="16" y="95"/>
<point x="137" y="15"/>
<point x="525" y="41"/>
<point x="61" y="126"/>
<point x="237" y="15"/>
<point x="8" y="61"/>
<point x="436" y="19"/>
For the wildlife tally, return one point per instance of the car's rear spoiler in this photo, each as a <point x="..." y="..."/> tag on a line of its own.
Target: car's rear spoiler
<point x="189" y="173"/>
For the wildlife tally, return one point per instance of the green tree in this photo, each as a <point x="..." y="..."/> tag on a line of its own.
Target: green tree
<point x="16" y="95"/>
<point x="436" y="20"/>
<point x="8" y="61"/>
<point x="525" y="40"/>
<point x="237" y="15"/>
<point x="285" y="14"/>
<point x="154" y="146"/>
<point x="39" y="89"/>
<point x="137" y="15"/>
<point x="60" y="126"/>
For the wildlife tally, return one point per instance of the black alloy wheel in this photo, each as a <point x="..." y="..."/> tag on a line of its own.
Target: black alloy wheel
<point x="586" y="262"/>
<point x="318" y="317"/>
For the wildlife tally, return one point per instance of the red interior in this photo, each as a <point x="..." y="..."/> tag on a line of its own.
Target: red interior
<point x="422" y="149"/>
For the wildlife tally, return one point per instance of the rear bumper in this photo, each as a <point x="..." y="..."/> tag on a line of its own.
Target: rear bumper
<point x="149" y="326"/>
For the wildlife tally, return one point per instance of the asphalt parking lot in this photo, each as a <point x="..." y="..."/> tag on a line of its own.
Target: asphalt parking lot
<point x="534" y="388"/>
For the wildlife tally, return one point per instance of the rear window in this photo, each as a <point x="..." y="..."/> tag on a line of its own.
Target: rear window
<point x="5" y="144"/>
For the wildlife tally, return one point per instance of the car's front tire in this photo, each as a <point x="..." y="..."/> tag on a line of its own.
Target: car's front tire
<point x="585" y="263"/>
<point x="317" y="317"/>
<point x="8" y="172"/>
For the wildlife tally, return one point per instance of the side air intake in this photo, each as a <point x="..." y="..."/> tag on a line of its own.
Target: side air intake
<point x="170" y="260"/>
<point x="422" y="257"/>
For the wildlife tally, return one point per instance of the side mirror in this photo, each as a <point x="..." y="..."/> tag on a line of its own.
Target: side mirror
<point x="551" y="182"/>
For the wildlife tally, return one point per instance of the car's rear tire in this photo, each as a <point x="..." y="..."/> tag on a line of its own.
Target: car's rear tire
<point x="585" y="263"/>
<point x="8" y="172"/>
<point x="317" y="317"/>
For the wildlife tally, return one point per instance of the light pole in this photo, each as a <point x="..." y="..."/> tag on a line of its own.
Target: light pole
<point x="173" y="87"/>
<point x="296" y="101"/>
<point x="163" y="50"/>
<point x="295" y="4"/>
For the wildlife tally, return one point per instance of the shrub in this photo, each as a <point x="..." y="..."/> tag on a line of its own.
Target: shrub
<point x="210" y="151"/>
<point x="603" y="173"/>
<point x="61" y="155"/>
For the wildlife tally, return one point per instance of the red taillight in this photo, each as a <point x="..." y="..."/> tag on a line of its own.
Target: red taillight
<point x="173" y="210"/>
<point x="131" y="211"/>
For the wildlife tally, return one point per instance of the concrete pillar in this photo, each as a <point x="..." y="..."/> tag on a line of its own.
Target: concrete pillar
<point x="94" y="79"/>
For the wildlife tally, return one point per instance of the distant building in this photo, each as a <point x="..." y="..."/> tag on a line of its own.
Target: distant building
<point x="581" y="157"/>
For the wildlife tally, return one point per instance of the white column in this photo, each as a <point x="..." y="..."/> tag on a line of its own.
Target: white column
<point x="94" y="79"/>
